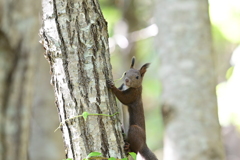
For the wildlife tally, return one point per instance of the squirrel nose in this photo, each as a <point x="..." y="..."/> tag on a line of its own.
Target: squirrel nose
<point x="126" y="80"/>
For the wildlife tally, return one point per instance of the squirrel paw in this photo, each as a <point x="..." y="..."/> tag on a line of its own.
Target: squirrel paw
<point x="127" y="147"/>
<point x="110" y="84"/>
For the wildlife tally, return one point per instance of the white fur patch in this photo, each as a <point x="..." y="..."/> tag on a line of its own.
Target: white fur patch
<point x="140" y="157"/>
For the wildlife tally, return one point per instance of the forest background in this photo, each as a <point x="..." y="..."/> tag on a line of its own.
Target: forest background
<point x="132" y="31"/>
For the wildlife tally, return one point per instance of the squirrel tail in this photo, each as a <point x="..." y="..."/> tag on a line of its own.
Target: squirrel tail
<point x="147" y="154"/>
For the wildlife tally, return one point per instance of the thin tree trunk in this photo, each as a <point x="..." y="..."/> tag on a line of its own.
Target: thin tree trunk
<point x="74" y="34"/>
<point x="17" y="64"/>
<point x="192" y="130"/>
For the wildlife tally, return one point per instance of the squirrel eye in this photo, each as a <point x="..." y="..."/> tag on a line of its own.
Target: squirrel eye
<point x="125" y="73"/>
<point x="137" y="77"/>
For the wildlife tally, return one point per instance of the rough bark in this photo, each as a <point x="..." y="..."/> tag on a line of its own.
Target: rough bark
<point x="192" y="129"/>
<point x="74" y="34"/>
<point x="17" y="65"/>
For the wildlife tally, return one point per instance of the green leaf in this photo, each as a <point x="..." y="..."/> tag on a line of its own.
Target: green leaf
<point x="94" y="154"/>
<point x="120" y="77"/>
<point x="229" y="72"/>
<point x="85" y="115"/>
<point x="112" y="158"/>
<point x="133" y="155"/>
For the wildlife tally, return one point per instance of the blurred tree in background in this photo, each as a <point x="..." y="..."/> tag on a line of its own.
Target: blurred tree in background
<point x="18" y="40"/>
<point x="192" y="129"/>
<point x="27" y="110"/>
<point x="224" y="16"/>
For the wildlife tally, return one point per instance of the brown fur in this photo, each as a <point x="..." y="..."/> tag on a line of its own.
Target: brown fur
<point x="132" y="97"/>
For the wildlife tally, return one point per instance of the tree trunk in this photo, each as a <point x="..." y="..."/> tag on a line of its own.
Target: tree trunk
<point x="74" y="34"/>
<point x="44" y="119"/>
<point x="17" y="64"/>
<point x="192" y="130"/>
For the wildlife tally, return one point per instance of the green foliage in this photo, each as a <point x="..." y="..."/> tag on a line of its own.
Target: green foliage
<point x="84" y="115"/>
<point x="97" y="154"/>
<point x="120" y="77"/>
<point x="111" y="13"/>
<point x="225" y="16"/>
<point x="154" y="127"/>
<point x="93" y="154"/>
<point x="218" y="38"/>
<point x="229" y="72"/>
<point x="133" y="155"/>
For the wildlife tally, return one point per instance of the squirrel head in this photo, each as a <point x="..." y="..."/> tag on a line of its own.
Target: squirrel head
<point x="133" y="77"/>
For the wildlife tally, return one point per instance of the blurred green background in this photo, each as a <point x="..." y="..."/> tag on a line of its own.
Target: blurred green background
<point x="128" y="17"/>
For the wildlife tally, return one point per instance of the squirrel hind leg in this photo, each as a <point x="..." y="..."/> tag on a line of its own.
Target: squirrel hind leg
<point x="127" y="147"/>
<point x="136" y="138"/>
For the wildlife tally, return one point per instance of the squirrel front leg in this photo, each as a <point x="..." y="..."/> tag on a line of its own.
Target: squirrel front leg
<point x="123" y="96"/>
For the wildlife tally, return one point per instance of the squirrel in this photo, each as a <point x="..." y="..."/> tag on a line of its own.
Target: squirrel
<point x="130" y="95"/>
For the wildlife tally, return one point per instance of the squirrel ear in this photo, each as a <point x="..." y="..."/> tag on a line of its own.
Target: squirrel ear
<point x="144" y="69"/>
<point x="133" y="61"/>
